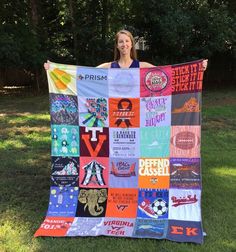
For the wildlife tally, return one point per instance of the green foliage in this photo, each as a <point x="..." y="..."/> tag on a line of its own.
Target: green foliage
<point x="82" y="32"/>
<point x="183" y="30"/>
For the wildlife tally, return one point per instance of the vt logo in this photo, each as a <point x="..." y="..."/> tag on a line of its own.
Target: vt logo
<point x="121" y="207"/>
<point x="95" y="142"/>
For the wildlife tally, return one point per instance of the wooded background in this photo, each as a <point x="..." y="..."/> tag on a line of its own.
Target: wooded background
<point x="82" y="32"/>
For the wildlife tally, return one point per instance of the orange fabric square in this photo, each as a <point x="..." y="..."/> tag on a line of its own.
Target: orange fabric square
<point x="124" y="113"/>
<point x="54" y="226"/>
<point x="122" y="203"/>
<point x="154" y="173"/>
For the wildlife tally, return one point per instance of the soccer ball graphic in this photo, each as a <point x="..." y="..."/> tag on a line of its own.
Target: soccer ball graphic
<point x="160" y="207"/>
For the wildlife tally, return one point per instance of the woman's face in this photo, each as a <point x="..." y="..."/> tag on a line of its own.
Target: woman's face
<point x="124" y="44"/>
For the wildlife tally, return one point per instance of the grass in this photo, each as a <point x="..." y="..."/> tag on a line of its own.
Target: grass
<point x="25" y="171"/>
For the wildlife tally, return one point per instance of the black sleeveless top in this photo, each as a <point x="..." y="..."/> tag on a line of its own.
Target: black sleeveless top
<point x="134" y="64"/>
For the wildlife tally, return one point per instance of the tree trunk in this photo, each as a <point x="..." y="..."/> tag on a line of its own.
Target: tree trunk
<point x="104" y="32"/>
<point x="72" y="7"/>
<point x="34" y="13"/>
<point x="34" y="8"/>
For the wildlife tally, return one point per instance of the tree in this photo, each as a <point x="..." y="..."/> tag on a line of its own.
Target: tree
<point x="183" y="30"/>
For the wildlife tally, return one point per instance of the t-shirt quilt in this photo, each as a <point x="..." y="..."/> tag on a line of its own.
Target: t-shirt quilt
<point x="125" y="152"/>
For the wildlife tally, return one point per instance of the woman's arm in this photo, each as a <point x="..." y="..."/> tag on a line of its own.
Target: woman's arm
<point x="104" y="65"/>
<point x="145" y="64"/>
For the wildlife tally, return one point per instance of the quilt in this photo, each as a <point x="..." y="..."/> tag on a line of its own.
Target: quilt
<point x="125" y="152"/>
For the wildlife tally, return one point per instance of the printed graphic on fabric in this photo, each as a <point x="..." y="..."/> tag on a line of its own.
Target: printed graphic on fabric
<point x="123" y="173"/>
<point x="65" y="140"/>
<point x="154" y="173"/>
<point x="122" y="203"/>
<point x="65" y="171"/>
<point x="124" y="143"/>
<point x="92" y="82"/>
<point x="185" y="231"/>
<point x="63" y="201"/>
<point x="185" y="141"/>
<point x="124" y="82"/>
<point x="185" y="173"/>
<point x="63" y="109"/>
<point x="155" y="111"/>
<point x="124" y="113"/>
<point x="94" y="142"/>
<point x="155" y="141"/>
<point x="86" y="227"/>
<point x="187" y="78"/>
<point x="93" y="112"/>
<point x="92" y="202"/>
<point x="186" y="109"/>
<point x="54" y="226"/>
<point x="155" y="81"/>
<point x="151" y="228"/>
<point x="153" y="203"/>
<point x="184" y="205"/>
<point x="94" y="172"/>
<point x="118" y="226"/>
<point x="62" y="79"/>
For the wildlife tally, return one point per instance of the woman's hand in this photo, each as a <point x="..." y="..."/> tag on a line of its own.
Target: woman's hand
<point x="204" y="64"/>
<point x="46" y="65"/>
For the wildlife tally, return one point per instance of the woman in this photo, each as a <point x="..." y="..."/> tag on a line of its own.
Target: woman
<point x="125" y="55"/>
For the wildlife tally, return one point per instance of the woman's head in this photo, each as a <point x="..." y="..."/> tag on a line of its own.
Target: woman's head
<point x="124" y="34"/>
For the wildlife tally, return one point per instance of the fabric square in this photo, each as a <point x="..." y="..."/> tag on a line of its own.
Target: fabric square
<point x="185" y="173"/>
<point x="63" y="109"/>
<point x="155" y="81"/>
<point x="124" y="113"/>
<point x="121" y="227"/>
<point x="83" y="226"/>
<point x="63" y="201"/>
<point x="122" y="203"/>
<point x="54" y="226"/>
<point x="93" y="112"/>
<point x="123" y="173"/>
<point x="92" y="202"/>
<point x="92" y="82"/>
<point x="65" y="171"/>
<point x="186" y="109"/>
<point x="155" y="111"/>
<point x="124" y="82"/>
<point x="94" y="142"/>
<point x="62" y="79"/>
<point x="155" y="141"/>
<point x="65" y="140"/>
<point x="153" y="204"/>
<point x="151" y="228"/>
<point x="94" y="172"/>
<point x="154" y="173"/>
<point x="185" y="205"/>
<point x="185" y="141"/>
<point x="187" y="77"/>
<point x="185" y="231"/>
<point x="124" y="143"/>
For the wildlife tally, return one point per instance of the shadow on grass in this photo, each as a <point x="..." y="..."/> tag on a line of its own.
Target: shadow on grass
<point x="29" y="104"/>
<point x="28" y="197"/>
<point x="25" y="183"/>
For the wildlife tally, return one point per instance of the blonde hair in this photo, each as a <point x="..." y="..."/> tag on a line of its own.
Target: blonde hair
<point x="133" y="53"/>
